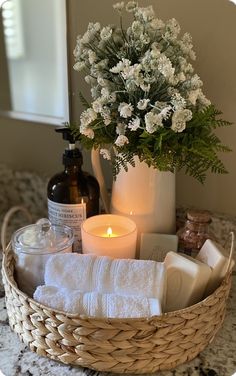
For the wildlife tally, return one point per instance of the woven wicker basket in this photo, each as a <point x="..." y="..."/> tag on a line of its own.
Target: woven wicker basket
<point x="139" y="345"/>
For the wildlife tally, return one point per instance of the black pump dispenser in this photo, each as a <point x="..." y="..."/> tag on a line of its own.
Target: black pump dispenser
<point x="73" y="195"/>
<point x="72" y="154"/>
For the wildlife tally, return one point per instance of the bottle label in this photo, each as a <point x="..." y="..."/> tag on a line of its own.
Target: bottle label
<point x="71" y="215"/>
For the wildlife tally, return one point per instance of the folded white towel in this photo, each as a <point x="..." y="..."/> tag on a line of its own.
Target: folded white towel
<point x="95" y="304"/>
<point x="138" y="277"/>
<point x="74" y="271"/>
<point x="105" y="275"/>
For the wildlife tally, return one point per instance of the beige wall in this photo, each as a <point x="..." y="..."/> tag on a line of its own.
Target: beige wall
<point x="212" y="24"/>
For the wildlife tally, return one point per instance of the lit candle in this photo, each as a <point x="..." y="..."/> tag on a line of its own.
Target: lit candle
<point x="109" y="235"/>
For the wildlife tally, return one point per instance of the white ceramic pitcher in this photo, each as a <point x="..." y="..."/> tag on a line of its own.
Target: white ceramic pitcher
<point x="143" y="193"/>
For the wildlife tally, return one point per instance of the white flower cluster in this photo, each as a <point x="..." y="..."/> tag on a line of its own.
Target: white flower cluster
<point x="141" y="78"/>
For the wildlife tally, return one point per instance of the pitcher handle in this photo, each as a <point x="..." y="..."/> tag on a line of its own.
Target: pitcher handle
<point x="97" y="170"/>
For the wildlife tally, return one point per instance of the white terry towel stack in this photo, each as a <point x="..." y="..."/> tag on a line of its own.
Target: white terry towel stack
<point x="94" y="304"/>
<point x="104" y="275"/>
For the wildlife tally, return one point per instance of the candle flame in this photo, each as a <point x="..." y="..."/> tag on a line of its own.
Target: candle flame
<point x="109" y="231"/>
<point x="82" y="200"/>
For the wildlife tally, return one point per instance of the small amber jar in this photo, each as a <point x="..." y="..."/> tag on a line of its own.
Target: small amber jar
<point x="195" y="232"/>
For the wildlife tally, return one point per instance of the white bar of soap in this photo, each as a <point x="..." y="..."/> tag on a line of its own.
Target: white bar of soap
<point x="156" y="246"/>
<point x="211" y="254"/>
<point x="186" y="281"/>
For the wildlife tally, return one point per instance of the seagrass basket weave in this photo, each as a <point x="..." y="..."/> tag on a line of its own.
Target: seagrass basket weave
<point x="139" y="345"/>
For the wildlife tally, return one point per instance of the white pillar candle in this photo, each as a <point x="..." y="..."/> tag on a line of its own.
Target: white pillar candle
<point x="109" y="235"/>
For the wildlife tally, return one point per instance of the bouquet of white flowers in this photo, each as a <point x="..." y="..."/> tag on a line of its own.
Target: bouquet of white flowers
<point x="146" y="99"/>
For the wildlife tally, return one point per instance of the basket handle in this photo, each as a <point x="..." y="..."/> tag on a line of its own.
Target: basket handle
<point x="230" y="263"/>
<point x="6" y="221"/>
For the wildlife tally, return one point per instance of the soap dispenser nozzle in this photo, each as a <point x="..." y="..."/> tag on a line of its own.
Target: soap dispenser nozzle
<point x="68" y="136"/>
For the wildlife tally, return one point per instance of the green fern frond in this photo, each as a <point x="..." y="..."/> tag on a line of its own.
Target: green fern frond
<point x="122" y="161"/>
<point x="84" y="101"/>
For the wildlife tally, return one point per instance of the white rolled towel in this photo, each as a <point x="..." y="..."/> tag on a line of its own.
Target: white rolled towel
<point x="94" y="304"/>
<point x="50" y="296"/>
<point x="106" y="275"/>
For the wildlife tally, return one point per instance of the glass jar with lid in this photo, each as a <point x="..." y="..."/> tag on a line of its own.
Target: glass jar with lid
<point x="195" y="232"/>
<point x="32" y="246"/>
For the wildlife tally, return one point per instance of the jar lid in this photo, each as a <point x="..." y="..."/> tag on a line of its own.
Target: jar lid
<point x="43" y="237"/>
<point x="202" y="216"/>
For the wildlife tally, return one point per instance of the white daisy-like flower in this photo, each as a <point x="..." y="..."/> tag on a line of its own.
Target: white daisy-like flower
<point x="78" y="48"/>
<point x="89" y="35"/>
<point x="156" y="23"/>
<point x="165" y="67"/>
<point x="119" y="6"/>
<point x="192" y="55"/>
<point x="193" y="96"/>
<point x="92" y="57"/>
<point x="134" y="124"/>
<point x="180" y="77"/>
<point x="165" y="112"/>
<point x="79" y="66"/>
<point x="203" y="100"/>
<point x="137" y="28"/>
<point x="163" y="109"/>
<point x="87" y="131"/>
<point x="120" y="128"/>
<point x="106" y="33"/>
<point x="105" y="92"/>
<point x="131" y="6"/>
<point x="186" y="46"/>
<point x="121" y="140"/>
<point x="98" y="104"/>
<point x="196" y="82"/>
<point x="153" y="121"/>
<point x="102" y="82"/>
<point x="106" y="154"/>
<point x="131" y="71"/>
<point x="106" y="115"/>
<point x="125" y="109"/>
<point x="120" y="66"/>
<point x="87" y="117"/>
<point x="178" y="102"/>
<point x="172" y="29"/>
<point x="179" y="120"/>
<point x="94" y="27"/>
<point x="142" y="104"/>
<point x="144" y="39"/>
<point x="86" y="38"/>
<point x="95" y="92"/>
<point x="145" y="14"/>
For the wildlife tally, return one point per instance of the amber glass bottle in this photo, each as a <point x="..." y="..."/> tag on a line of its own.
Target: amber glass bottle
<point x="73" y="195"/>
